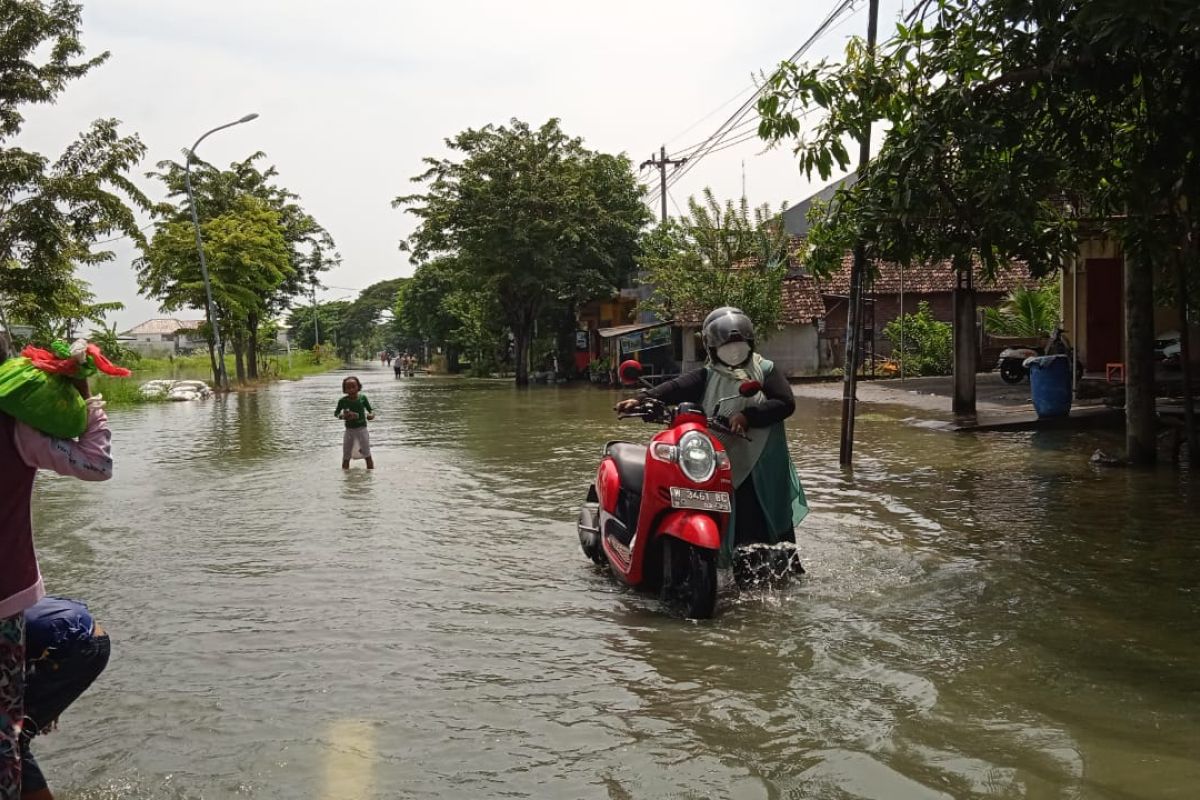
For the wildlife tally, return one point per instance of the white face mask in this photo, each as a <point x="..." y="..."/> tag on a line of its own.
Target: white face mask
<point x="733" y="353"/>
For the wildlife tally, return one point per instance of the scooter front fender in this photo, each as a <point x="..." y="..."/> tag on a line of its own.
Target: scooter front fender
<point x="693" y="527"/>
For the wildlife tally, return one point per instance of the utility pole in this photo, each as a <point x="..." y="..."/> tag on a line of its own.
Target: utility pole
<point x="316" y="323"/>
<point x="854" y="312"/>
<point x="662" y="162"/>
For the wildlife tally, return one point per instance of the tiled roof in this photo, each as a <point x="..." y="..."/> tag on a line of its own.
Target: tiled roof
<point x="802" y="301"/>
<point x="803" y="295"/>
<point x="165" y="327"/>
<point x="936" y="278"/>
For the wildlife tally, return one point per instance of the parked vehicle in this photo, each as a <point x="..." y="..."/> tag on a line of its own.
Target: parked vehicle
<point x="1167" y="349"/>
<point x="1012" y="359"/>
<point x="655" y="514"/>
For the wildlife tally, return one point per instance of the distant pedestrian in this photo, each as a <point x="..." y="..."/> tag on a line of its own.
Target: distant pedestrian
<point x="355" y="409"/>
<point x="65" y="651"/>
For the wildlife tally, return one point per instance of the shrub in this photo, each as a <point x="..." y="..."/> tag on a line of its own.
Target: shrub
<point x="928" y="347"/>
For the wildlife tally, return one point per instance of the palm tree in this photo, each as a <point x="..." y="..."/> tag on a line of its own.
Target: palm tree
<point x="1027" y="312"/>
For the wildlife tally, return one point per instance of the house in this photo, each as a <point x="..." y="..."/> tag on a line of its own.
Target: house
<point x="607" y="335"/>
<point x="813" y="337"/>
<point x="1093" y="302"/>
<point x="899" y="290"/>
<point x="164" y="336"/>
<point x="795" y="348"/>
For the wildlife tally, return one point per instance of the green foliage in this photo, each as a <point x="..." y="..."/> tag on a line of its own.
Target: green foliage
<point x="329" y="320"/>
<point x="1027" y="312"/>
<point x="248" y="259"/>
<point x="52" y="212"/>
<point x="359" y="330"/>
<point x="535" y="219"/>
<point x="1007" y="121"/>
<point x="241" y="192"/>
<point x="441" y="305"/>
<point x="718" y="255"/>
<point x="928" y="344"/>
<point x="107" y="340"/>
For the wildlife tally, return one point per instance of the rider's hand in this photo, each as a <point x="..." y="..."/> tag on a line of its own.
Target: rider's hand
<point x="625" y="406"/>
<point x="738" y="423"/>
<point x="371" y="415"/>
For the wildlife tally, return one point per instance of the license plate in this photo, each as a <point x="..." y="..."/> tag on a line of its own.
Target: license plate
<point x="699" y="499"/>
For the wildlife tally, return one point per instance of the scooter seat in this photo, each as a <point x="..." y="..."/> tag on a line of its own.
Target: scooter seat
<point x="630" y="460"/>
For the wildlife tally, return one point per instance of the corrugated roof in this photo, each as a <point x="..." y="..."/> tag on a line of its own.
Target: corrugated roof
<point x="165" y="327"/>
<point x="621" y="330"/>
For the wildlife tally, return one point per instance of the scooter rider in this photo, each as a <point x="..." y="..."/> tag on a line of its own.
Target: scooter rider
<point x="769" y="500"/>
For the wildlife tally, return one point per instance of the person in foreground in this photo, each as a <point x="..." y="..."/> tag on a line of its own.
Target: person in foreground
<point x="65" y="651"/>
<point x="355" y="409"/>
<point x="768" y="498"/>
<point x="24" y="450"/>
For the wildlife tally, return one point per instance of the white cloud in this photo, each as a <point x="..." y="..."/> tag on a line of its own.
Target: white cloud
<point x="352" y="95"/>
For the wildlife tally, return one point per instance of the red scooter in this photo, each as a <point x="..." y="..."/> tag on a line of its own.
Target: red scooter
<point x="656" y="514"/>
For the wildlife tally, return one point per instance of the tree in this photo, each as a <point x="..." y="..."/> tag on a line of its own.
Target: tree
<point x="718" y="256"/>
<point x="1027" y="312"/>
<point x="311" y="249"/>
<point x="1011" y="124"/>
<point x="328" y="318"/>
<point x="53" y="212"/>
<point x="248" y="260"/>
<point x="359" y="330"/>
<point x="536" y="218"/>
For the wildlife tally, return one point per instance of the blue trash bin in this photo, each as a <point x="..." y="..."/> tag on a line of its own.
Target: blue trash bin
<point x="1050" y="383"/>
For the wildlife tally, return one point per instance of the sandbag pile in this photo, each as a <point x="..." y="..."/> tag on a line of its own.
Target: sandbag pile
<point x="175" y="390"/>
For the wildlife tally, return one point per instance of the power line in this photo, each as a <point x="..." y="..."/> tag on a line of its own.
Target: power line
<point x="742" y="127"/>
<point x="677" y="208"/>
<point x="737" y="116"/>
<point x="709" y="115"/>
<point x="124" y="235"/>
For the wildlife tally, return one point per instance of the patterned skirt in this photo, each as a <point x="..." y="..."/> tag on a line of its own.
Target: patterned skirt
<point x="12" y="703"/>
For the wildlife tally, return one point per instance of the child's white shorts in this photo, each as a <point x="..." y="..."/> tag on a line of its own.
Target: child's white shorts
<point x="356" y="444"/>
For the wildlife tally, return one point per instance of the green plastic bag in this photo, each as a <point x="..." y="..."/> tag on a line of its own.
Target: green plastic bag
<point x="41" y="400"/>
<point x="38" y="388"/>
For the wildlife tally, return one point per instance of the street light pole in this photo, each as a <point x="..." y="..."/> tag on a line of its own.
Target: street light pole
<point x="222" y="378"/>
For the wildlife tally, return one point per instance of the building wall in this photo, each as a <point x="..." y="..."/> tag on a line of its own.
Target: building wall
<point x="1074" y="297"/>
<point x="152" y="345"/>
<point x="794" y="349"/>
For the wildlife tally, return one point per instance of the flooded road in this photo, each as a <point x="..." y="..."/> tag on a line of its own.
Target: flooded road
<point x="983" y="616"/>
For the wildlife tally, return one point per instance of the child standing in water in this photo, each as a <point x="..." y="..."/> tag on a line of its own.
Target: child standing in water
<point x="355" y="409"/>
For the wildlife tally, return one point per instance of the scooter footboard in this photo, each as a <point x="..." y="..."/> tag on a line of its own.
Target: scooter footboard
<point x="692" y="527"/>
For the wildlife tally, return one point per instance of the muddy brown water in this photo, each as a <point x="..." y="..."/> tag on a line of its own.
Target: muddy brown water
<point x="983" y="616"/>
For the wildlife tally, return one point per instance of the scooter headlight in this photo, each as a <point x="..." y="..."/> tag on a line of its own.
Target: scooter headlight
<point x="697" y="457"/>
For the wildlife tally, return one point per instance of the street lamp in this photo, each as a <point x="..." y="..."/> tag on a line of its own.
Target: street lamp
<point x="222" y="378"/>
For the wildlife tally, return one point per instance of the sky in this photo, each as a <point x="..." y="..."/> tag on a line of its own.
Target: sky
<point x="353" y="95"/>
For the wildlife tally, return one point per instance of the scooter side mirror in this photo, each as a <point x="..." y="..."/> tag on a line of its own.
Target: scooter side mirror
<point x="749" y="388"/>
<point x="629" y="372"/>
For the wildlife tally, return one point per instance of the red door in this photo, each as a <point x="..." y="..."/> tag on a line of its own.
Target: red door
<point x="1105" y="312"/>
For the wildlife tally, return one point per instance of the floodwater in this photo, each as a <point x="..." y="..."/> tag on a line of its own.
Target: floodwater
<point x="984" y="616"/>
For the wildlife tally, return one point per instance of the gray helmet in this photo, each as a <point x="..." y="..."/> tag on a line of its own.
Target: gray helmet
<point x="727" y="324"/>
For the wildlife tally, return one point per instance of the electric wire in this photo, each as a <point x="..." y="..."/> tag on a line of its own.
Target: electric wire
<point x="739" y="115"/>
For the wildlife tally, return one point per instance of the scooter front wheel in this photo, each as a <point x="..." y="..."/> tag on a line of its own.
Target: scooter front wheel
<point x="1012" y="373"/>
<point x="689" y="582"/>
